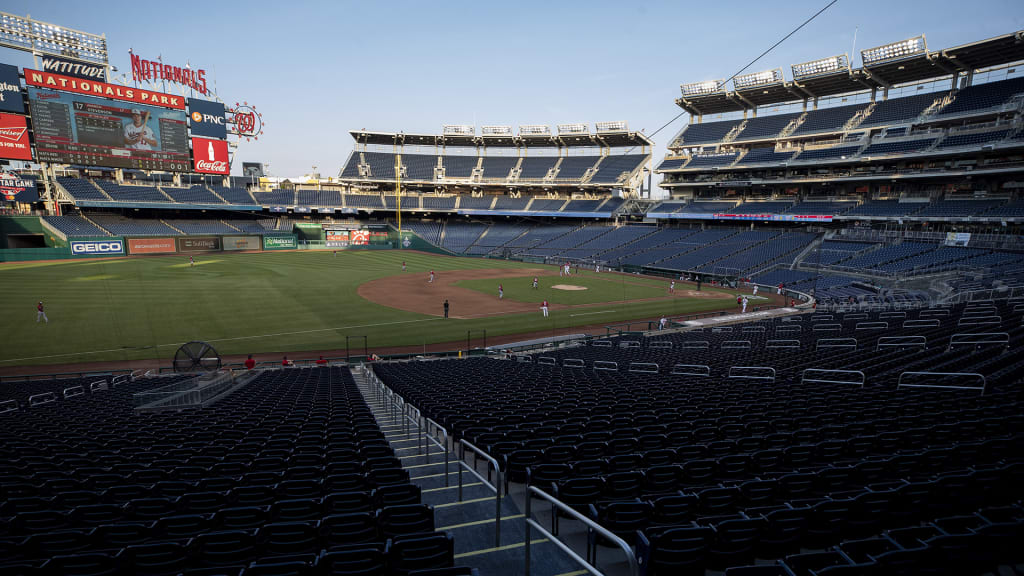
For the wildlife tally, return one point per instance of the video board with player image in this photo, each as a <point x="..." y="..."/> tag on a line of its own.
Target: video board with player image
<point x="76" y="129"/>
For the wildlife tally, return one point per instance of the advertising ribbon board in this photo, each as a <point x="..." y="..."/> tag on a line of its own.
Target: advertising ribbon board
<point x="280" y="243"/>
<point x="10" y="90"/>
<point x="337" y="238"/>
<point x="241" y="242"/>
<point x="199" y="244"/>
<point x="14" y="142"/>
<point x="151" y="246"/>
<point x="97" y="247"/>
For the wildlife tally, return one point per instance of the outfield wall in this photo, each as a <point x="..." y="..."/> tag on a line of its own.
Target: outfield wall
<point x="119" y="246"/>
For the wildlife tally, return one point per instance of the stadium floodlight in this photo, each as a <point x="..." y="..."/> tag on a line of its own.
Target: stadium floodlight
<point x="702" y="88"/>
<point x="756" y="79"/>
<point x="534" y="130"/>
<point x="573" y="129"/>
<point x="39" y="37"/>
<point x="830" y="65"/>
<point x="459" y="130"/>
<point x="496" y="130"/>
<point x="894" y="51"/>
<point x="619" y="126"/>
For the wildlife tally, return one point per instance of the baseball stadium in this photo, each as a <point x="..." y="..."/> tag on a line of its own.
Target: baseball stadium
<point x="786" y="340"/>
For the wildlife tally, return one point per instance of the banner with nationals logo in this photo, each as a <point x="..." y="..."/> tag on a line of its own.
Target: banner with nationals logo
<point x="210" y="156"/>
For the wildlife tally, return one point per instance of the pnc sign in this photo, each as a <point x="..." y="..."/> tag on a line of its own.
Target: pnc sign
<point x="207" y="119"/>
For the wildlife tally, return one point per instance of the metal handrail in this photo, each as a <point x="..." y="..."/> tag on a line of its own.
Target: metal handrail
<point x="816" y="371"/>
<point x="496" y="487"/>
<point x="634" y="566"/>
<point x="984" y="381"/>
<point x="445" y="446"/>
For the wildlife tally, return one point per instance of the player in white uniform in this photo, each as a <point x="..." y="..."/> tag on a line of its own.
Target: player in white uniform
<point x="744" y="305"/>
<point x="662" y="322"/>
<point x="137" y="135"/>
<point x="534" y="282"/>
<point x="501" y="292"/>
<point x="41" y="315"/>
<point x="672" y="287"/>
<point x="755" y="289"/>
<point x="431" y="277"/>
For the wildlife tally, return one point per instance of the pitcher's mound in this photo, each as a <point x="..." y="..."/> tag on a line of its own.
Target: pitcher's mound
<point x="568" y="287"/>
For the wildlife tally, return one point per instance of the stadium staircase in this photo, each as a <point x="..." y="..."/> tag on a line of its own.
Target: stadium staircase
<point x="93" y="222"/>
<point x="219" y="197"/>
<point x="468" y="517"/>
<point x="732" y="134"/>
<point x="553" y="172"/>
<point x="166" y="195"/>
<point x="229" y="225"/>
<point x="809" y="249"/>
<point x="513" y="175"/>
<point x="936" y="106"/>
<point x="792" y="126"/>
<point x="102" y="191"/>
<point x="168" y="224"/>
<point x="858" y="118"/>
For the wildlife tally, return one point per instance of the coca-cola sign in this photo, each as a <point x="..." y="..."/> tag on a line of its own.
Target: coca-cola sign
<point x="210" y="156"/>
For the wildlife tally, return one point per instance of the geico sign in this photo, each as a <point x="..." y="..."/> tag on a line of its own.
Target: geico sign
<point x="111" y="247"/>
<point x="208" y="118"/>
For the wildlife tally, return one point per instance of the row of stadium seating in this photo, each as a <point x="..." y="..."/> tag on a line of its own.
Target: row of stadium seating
<point x="919" y="208"/>
<point x="290" y="473"/>
<point x="108" y="191"/>
<point x="903" y="110"/>
<point x="716" y="471"/>
<point x="881" y="145"/>
<point x="78" y="226"/>
<point x="609" y="170"/>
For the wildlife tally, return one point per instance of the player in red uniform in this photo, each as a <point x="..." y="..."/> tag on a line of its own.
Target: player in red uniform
<point x="501" y="292"/>
<point x="544" y="308"/>
<point x="41" y="314"/>
<point x="431" y="277"/>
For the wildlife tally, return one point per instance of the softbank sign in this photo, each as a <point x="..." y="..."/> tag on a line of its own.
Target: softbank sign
<point x="210" y="156"/>
<point x="97" y="248"/>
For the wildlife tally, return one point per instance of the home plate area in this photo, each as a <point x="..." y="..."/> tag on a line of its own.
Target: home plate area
<point x="568" y="287"/>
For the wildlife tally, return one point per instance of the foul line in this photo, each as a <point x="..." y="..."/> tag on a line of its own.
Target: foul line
<point x="224" y="339"/>
<point x="590" y="313"/>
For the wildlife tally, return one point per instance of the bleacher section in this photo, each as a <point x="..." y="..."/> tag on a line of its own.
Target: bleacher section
<point x="429" y="231"/>
<point x="764" y="127"/>
<point x="190" y="227"/>
<point x="81" y="189"/>
<point x="275" y="197"/>
<point x="438" y="202"/>
<point x="705" y="133"/>
<point x="498" y="167"/>
<point x="287" y="473"/>
<point x="197" y="194"/>
<point x="574" y="167"/>
<point x="766" y="156"/>
<point x="121" y="226"/>
<point x="327" y="198"/>
<point x="612" y="167"/>
<point x="983" y="96"/>
<point x="73" y="225"/>
<point x="828" y="119"/>
<point x="537" y="167"/>
<point x="122" y="193"/>
<point x="459" y="166"/>
<point x="234" y="195"/>
<point x="419" y="166"/>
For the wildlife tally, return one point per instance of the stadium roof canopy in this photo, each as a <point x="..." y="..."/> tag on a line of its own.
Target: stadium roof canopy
<point x="884" y="66"/>
<point x="606" y="138"/>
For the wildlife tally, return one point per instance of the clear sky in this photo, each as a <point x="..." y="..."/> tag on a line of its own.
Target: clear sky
<point x="318" y="69"/>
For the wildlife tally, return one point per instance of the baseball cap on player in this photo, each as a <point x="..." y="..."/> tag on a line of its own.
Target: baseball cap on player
<point x="136" y="111"/>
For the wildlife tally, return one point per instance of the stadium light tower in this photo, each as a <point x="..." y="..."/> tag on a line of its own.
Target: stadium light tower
<point x="821" y="67"/>
<point x="42" y="38"/>
<point x="705" y="88"/>
<point x="758" y="79"/>
<point x="894" y="51"/>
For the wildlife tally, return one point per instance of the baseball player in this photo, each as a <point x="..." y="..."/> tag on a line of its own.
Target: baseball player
<point x="662" y="322"/>
<point x="744" y="311"/>
<point x="41" y="314"/>
<point x="778" y="290"/>
<point x="501" y="292"/>
<point x="567" y="269"/>
<point x="755" y="290"/>
<point x="544" y="308"/>
<point x="534" y="282"/>
<point x="672" y="287"/>
<point x="191" y="261"/>
<point x="403" y="265"/>
<point x="431" y="281"/>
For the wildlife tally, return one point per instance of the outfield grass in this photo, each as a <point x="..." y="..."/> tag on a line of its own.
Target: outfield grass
<point x="134" y="308"/>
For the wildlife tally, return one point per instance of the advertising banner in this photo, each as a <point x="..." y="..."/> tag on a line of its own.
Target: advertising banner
<point x="958" y="238"/>
<point x="83" y="70"/>
<point x="199" y="244"/>
<point x="102" y="89"/>
<point x="210" y="156"/>
<point x="151" y="246"/>
<point x="10" y="90"/>
<point x="280" y="243"/>
<point x="337" y="238"/>
<point x="241" y="242"/>
<point x="75" y="129"/>
<point x="207" y="119"/>
<point x="16" y="188"/>
<point x="14" y="144"/>
<point x="97" y="247"/>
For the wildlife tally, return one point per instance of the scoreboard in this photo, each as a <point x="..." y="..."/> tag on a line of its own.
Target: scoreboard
<point x="348" y="237"/>
<point x="76" y="129"/>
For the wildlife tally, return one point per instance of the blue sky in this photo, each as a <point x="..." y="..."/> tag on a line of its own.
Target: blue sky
<point x="318" y="69"/>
